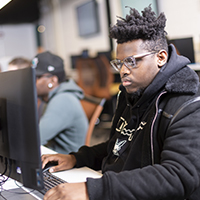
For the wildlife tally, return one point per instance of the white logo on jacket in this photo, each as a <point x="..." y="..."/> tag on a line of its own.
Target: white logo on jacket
<point x="129" y="132"/>
<point x="118" y="146"/>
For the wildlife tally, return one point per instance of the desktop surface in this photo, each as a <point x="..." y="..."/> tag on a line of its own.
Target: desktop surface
<point x="17" y="194"/>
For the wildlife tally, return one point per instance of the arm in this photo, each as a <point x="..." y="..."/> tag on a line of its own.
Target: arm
<point x="86" y="156"/>
<point x="71" y="190"/>
<point x="91" y="157"/>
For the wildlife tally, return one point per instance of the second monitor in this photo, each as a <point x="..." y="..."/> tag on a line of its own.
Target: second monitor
<point x="185" y="47"/>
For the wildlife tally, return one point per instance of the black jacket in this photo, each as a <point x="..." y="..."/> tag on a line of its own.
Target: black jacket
<point x="154" y="147"/>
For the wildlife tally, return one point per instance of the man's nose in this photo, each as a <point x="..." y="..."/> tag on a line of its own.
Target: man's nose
<point x="124" y="69"/>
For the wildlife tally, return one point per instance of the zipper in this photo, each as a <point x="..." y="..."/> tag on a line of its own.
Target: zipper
<point x="152" y="125"/>
<point x="184" y="105"/>
<point x="117" y="102"/>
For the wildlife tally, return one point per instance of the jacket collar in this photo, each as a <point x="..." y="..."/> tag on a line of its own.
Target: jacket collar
<point x="185" y="81"/>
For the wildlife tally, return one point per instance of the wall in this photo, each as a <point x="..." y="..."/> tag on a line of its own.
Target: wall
<point x="139" y="5"/>
<point x="183" y="17"/>
<point x="61" y="35"/>
<point x="16" y="40"/>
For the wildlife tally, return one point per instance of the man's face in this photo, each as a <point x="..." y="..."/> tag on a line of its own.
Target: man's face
<point x="144" y="72"/>
<point x="42" y="85"/>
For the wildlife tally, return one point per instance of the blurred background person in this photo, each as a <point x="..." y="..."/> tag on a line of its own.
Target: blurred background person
<point x="19" y="63"/>
<point x="63" y="125"/>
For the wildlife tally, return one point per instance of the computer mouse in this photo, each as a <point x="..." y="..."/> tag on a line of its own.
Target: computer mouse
<point x="49" y="165"/>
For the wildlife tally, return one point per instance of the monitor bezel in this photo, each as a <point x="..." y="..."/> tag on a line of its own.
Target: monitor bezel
<point x="20" y="152"/>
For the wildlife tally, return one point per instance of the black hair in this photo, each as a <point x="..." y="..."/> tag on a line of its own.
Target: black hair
<point x="147" y="27"/>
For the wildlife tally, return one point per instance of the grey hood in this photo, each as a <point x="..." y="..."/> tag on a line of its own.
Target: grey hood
<point x="69" y="86"/>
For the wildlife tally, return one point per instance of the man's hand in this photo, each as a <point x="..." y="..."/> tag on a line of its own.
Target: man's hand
<point x="68" y="191"/>
<point x="64" y="161"/>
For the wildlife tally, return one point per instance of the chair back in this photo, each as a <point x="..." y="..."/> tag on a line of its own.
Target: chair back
<point x="93" y="114"/>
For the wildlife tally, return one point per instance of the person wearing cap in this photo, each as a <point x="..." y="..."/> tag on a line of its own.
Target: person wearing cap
<point x="63" y="125"/>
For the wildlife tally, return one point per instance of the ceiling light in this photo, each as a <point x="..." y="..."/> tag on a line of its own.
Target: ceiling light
<point x="41" y="29"/>
<point x="3" y="3"/>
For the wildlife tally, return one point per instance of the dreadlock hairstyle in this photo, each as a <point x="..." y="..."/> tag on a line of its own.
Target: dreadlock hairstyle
<point x="147" y="27"/>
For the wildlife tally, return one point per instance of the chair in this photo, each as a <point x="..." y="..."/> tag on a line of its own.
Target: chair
<point x="95" y="76"/>
<point x="98" y="107"/>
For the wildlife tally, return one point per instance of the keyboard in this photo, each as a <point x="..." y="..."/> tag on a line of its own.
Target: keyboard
<point x="50" y="181"/>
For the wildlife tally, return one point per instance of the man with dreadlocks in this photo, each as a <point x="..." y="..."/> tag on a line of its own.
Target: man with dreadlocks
<point x="154" y="147"/>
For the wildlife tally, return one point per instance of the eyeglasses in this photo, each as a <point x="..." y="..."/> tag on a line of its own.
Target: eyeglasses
<point x="129" y="62"/>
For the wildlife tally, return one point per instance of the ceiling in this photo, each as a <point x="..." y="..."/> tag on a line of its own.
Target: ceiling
<point x="20" y="11"/>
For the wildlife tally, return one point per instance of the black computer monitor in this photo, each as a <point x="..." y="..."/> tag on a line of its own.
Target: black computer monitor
<point x="184" y="47"/>
<point x="20" y="156"/>
<point x="88" y="18"/>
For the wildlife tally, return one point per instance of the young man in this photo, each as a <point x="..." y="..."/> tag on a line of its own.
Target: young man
<point x="63" y="125"/>
<point x="154" y="146"/>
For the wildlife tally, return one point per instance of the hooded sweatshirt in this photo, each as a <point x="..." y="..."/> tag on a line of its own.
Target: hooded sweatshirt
<point x="143" y="159"/>
<point x="134" y="113"/>
<point x="63" y="126"/>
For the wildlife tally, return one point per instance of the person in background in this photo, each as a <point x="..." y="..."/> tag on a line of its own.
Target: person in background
<point x="63" y="126"/>
<point x="153" y="151"/>
<point x="19" y="63"/>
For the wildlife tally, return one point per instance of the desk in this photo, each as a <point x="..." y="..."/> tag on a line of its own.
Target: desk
<point x="71" y="176"/>
<point x="195" y="66"/>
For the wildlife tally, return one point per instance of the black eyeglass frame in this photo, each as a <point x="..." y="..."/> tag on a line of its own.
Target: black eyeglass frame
<point x="117" y="64"/>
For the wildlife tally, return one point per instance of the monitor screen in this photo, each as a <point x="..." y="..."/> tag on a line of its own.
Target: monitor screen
<point x="184" y="47"/>
<point x="20" y="156"/>
<point x="87" y="15"/>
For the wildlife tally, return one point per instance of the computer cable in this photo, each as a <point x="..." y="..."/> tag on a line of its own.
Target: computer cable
<point x="9" y="163"/>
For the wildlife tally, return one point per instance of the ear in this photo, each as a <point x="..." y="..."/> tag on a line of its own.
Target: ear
<point x="53" y="81"/>
<point x="162" y="56"/>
